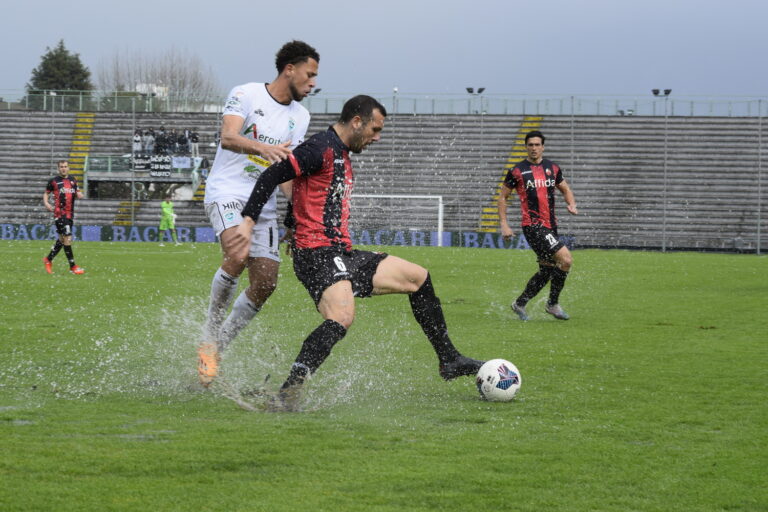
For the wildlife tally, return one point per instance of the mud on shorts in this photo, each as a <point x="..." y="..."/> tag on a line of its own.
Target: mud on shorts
<point x="319" y="268"/>
<point x="544" y="242"/>
<point x="63" y="226"/>
<point x="264" y="239"/>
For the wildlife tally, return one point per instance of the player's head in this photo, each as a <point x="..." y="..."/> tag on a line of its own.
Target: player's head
<point x="363" y="116"/>
<point x="298" y="62"/>
<point x="534" y="145"/>
<point x="63" y="167"/>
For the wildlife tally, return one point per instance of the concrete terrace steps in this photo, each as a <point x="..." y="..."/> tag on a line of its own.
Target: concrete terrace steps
<point x="614" y="164"/>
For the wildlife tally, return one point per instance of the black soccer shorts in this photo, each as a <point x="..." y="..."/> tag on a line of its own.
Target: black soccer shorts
<point x="544" y="242"/>
<point x="319" y="268"/>
<point x="63" y="226"/>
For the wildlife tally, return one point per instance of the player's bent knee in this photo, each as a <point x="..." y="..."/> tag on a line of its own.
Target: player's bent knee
<point x="344" y="319"/>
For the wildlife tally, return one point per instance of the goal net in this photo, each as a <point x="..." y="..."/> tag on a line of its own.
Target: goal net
<point x="397" y="212"/>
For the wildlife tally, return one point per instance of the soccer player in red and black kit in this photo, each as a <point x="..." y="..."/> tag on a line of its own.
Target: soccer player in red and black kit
<point x="535" y="180"/>
<point x="64" y="191"/>
<point x="332" y="272"/>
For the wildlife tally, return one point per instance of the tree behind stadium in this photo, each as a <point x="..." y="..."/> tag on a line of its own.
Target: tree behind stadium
<point x="63" y="74"/>
<point x="145" y="81"/>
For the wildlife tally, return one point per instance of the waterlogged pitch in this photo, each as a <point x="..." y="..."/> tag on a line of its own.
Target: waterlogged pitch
<point x="652" y="397"/>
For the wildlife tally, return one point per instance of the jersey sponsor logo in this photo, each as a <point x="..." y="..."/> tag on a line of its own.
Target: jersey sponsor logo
<point x="539" y="183"/>
<point x="232" y="205"/>
<point x="269" y="140"/>
<point x="251" y="129"/>
<point x="339" y="161"/>
<point x="67" y="190"/>
<point x="266" y="139"/>
<point x="233" y="103"/>
<point x="259" y="161"/>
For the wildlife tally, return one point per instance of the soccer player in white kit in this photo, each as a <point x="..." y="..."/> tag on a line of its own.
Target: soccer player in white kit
<point x="261" y="124"/>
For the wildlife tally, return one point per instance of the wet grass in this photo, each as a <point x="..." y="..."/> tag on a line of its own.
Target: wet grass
<point x="652" y="397"/>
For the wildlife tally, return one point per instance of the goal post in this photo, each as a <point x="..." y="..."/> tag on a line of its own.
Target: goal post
<point x="400" y="211"/>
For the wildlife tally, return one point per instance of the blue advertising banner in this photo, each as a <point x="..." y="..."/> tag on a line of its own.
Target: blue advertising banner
<point x="200" y="234"/>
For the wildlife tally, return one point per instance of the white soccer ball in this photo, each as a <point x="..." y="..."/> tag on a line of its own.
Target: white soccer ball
<point x="498" y="380"/>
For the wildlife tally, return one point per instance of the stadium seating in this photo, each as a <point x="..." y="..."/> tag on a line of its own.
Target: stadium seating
<point x="615" y="165"/>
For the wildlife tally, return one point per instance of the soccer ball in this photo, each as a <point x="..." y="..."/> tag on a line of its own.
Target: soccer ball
<point x="498" y="380"/>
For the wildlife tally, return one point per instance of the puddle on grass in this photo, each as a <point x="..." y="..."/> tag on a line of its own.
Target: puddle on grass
<point x="154" y="355"/>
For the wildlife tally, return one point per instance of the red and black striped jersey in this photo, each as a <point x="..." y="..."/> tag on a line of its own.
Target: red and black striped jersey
<point x="64" y="192"/>
<point x="535" y="185"/>
<point x="322" y="190"/>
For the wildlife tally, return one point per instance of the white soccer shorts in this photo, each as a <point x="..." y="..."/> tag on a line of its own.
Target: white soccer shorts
<point x="264" y="240"/>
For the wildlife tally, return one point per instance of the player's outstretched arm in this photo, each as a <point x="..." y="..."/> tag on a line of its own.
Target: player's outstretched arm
<point x="570" y="200"/>
<point x="232" y="140"/>
<point x="45" y="201"/>
<point x="269" y="180"/>
<point x="506" y="231"/>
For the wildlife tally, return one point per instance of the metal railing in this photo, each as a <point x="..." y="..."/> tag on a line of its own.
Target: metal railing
<point x="407" y="103"/>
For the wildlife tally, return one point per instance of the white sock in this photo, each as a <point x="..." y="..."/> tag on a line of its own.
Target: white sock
<point x="242" y="312"/>
<point x="223" y="289"/>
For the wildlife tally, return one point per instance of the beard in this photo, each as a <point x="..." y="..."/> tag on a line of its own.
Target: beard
<point x="356" y="144"/>
<point x="295" y="94"/>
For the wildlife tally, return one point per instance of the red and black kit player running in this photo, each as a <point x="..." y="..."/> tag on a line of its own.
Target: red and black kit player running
<point x="64" y="192"/>
<point x="535" y="180"/>
<point x="323" y="258"/>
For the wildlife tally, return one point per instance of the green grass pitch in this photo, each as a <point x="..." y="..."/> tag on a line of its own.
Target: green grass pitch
<point x="651" y="398"/>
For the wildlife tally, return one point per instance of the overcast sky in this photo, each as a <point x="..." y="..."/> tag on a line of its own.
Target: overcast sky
<point x="616" y="47"/>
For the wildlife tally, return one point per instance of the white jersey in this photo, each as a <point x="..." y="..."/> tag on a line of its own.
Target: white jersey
<point x="233" y="175"/>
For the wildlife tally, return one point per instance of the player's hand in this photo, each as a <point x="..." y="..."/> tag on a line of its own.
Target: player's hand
<point x="572" y="209"/>
<point x="48" y="207"/>
<point x="506" y="232"/>
<point x="237" y="243"/>
<point x="288" y="239"/>
<point x="276" y="153"/>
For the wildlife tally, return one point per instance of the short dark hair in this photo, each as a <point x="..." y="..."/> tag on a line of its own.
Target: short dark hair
<point x="294" y="52"/>
<point x="534" y="133"/>
<point x="361" y="105"/>
<point x="61" y="162"/>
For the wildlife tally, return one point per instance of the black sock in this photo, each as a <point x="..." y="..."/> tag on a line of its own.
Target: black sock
<point x="55" y="250"/>
<point x="429" y="313"/>
<point x="535" y="284"/>
<point x="316" y="348"/>
<point x="70" y="256"/>
<point x="558" y="281"/>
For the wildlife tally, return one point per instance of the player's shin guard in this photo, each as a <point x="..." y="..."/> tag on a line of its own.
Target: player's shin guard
<point x="223" y="289"/>
<point x="558" y="282"/>
<point x="55" y="250"/>
<point x="316" y="348"/>
<point x="535" y="284"/>
<point x="429" y="314"/>
<point x="70" y="255"/>
<point x="243" y="311"/>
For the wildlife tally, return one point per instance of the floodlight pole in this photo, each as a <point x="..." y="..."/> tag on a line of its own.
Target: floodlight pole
<point x="53" y="122"/>
<point x="666" y="189"/>
<point x="665" y="93"/>
<point x="759" y="171"/>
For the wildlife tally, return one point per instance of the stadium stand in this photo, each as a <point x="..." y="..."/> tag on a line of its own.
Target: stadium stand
<point x="615" y="165"/>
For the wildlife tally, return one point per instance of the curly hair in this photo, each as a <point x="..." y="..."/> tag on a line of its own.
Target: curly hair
<point x="294" y="52"/>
